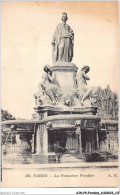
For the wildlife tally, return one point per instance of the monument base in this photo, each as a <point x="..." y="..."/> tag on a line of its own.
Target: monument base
<point x="62" y="63"/>
<point x="65" y="70"/>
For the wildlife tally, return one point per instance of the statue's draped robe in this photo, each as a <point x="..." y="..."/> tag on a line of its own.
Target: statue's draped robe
<point x="63" y="39"/>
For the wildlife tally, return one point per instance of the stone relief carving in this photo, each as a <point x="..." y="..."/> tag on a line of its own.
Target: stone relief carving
<point x="78" y="126"/>
<point x="62" y="42"/>
<point x="78" y="133"/>
<point x="49" y="125"/>
<point x="51" y="93"/>
<point x="68" y="100"/>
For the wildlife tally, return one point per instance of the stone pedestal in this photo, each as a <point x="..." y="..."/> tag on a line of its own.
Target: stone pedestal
<point x="65" y="73"/>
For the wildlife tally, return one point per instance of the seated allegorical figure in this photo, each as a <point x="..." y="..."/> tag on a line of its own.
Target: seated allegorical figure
<point x="81" y="83"/>
<point x="50" y="84"/>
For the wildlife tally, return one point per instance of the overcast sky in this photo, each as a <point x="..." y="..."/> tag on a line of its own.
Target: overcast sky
<point x="26" y="31"/>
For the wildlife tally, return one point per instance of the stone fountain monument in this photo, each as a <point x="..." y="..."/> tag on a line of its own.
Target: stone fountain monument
<point x="65" y="106"/>
<point x="64" y="103"/>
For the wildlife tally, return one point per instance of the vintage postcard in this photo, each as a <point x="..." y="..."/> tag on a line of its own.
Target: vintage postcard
<point x="59" y="69"/>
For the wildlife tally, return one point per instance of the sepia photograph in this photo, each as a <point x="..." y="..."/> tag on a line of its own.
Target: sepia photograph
<point x="59" y="94"/>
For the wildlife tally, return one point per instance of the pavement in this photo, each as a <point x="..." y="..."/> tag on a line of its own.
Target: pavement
<point x="15" y="161"/>
<point x="62" y="164"/>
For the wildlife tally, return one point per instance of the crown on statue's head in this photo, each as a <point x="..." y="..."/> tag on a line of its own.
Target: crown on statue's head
<point x="64" y="13"/>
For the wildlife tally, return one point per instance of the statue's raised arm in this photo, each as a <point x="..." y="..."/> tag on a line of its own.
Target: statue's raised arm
<point x="63" y="41"/>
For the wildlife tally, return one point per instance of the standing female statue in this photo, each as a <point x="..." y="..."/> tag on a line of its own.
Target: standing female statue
<point x="63" y="40"/>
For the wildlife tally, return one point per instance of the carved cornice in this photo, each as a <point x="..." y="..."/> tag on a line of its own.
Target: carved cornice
<point x="64" y="66"/>
<point x="79" y="110"/>
<point x="51" y="118"/>
<point x="58" y="63"/>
